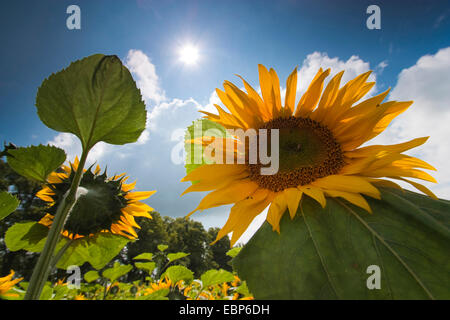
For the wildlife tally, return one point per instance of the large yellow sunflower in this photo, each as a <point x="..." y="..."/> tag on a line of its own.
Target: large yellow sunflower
<point x="104" y="204"/>
<point x="320" y="153"/>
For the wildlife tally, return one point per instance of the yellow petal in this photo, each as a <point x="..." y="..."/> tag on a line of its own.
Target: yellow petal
<point x="315" y="193"/>
<point x="208" y="185"/>
<point x="354" y="198"/>
<point x="139" y="195"/>
<point x="374" y="149"/>
<point x="214" y="172"/>
<point x="226" y="195"/>
<point x="292" y="197"/>
<point x="328" y="98"/>
<point x="253" y="95"/>
<point x="128" y="219"/>
<point x="265" y="82"/>
<point x="276" y="89"/>
<point x="391" y="171"/>
<point x="291" y="89"/>
<point x="243" y="213"/>
<point x="276" y="210"/>
<point x="347" y="183"/>
<point x="311" y="97"/>
<point x="232" y="105"/>
<point x="419" y="187"/>
<point x="128" y="187"/>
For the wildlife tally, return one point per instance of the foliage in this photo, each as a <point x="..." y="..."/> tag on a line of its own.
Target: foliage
<point x="325" y="253"/>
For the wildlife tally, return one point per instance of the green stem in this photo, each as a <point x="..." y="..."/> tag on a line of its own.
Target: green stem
<point x="42" y="268"/>
<point x="60" y="253"/>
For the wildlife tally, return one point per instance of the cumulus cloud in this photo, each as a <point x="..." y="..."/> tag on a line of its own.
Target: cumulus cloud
<point x="145" y="74"/>
<point x="72" y="146"/>
<point x="426" y="82"/>
<point x="353" y="67"/>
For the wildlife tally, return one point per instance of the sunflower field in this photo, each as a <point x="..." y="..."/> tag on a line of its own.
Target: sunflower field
<point x="335" y="213"/>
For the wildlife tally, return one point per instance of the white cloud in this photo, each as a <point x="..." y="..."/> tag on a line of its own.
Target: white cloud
<point x="213" y="99"/>
<point x="72" y="146"/>
<point x="353" y="67"/>
<point x="173" y="114"/>
<point x="381" y="66"/>
<point x="427" y="83"/>
<point x="145" y="72"/>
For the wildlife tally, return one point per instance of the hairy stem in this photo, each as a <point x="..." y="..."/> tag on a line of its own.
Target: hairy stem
<point x="42" y="268"/>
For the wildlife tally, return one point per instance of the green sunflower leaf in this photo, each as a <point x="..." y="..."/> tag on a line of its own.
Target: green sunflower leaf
<point x="213" y="277"/>
<point x="36" y="162"/>
<point x="175" y="256"/>
<point x="194" y="152"/>
<point x="146" y="266"/>
<point x="162" y="247"/>
<point x="96" y="99"/>
<point x="117" y="271"/>
<point x="177" y="273"/>
<point x="91" y="276"/>
<point x="29" y="236"/>
<point x="8" y="203"/>
<point x="401" y="251"/>
<point x="144" y="256"/>
<point x="98" y="250"/>
<point x="160" y="294"/>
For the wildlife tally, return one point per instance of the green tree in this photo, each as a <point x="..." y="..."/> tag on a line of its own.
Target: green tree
<point x="219" y="249"/>
<point x="189" y="236"/>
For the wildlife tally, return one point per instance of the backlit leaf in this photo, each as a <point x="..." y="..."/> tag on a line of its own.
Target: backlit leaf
<point x="213" y="277"/>
<point x="96" y="99"/>
<point x="177" y="273"/>
<point x="97" y="250"/>
<point x="36" y="162"/>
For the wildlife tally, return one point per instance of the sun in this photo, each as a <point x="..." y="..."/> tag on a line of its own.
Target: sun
<point x="189" y="54"/>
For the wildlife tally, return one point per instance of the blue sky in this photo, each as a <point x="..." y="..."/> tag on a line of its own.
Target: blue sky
<point x="232" y="38"/>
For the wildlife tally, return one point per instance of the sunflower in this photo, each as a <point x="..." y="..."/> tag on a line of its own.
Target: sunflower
<point x="6" y="284"/>
<point x="103" y="205"/>
<point x="320" y="153"/>
<point x="165" y="283"/>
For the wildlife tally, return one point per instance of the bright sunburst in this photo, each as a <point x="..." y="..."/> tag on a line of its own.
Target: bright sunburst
<point x="189" y="54"/>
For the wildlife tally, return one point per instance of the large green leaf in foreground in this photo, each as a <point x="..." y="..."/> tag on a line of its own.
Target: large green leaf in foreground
<point x="325" y="253"/>
<point x="94" y="98"/>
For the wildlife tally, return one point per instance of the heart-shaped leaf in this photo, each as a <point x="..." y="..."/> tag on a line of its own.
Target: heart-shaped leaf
<point x="117" y="271"/>
<point x="94" y="98"/>
<point x="213" y="277"/>
<point x="98" y="250"/>
<point x="177" y="273"/>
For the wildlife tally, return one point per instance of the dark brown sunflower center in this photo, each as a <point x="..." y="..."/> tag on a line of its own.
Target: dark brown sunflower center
<point x="307" y="151"/>
<point x="98" y="206"/>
